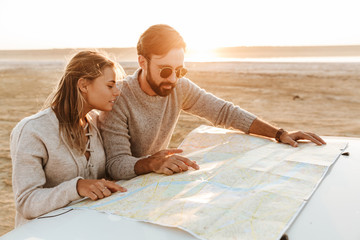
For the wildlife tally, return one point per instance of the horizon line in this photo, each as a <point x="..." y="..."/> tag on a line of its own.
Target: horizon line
<point x="192" y="48"/>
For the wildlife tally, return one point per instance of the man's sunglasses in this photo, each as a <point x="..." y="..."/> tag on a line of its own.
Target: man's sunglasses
<point x="166" y="72"/>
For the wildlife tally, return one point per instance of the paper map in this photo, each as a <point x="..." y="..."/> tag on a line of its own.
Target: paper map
<point x="247" y="187"/>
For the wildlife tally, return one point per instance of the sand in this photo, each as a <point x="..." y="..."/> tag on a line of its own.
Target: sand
<point x="317" y="97"/>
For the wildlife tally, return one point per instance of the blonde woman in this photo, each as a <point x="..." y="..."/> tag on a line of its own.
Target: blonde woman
<point x="57" y="154"/>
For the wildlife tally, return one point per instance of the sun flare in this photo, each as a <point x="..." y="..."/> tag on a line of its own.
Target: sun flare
<point x="200" y="54"/>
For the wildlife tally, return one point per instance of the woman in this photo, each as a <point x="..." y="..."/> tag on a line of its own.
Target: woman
<point x="57" y="154"/>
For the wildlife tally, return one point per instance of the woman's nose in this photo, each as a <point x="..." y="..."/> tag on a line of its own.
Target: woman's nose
<point x="116" y="91"/>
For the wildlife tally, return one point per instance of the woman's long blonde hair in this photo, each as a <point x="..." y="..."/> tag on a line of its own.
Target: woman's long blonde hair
<point x="67" y="101"/>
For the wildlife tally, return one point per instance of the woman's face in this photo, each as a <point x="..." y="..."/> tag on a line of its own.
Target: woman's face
<point x="102" y="91"/>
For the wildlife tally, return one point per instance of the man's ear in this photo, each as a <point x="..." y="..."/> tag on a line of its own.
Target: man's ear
<point x="82" y="85"/>
<point x="142" y="62"/>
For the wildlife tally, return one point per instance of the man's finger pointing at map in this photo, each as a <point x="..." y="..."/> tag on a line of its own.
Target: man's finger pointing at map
<point x="166" y="162"/>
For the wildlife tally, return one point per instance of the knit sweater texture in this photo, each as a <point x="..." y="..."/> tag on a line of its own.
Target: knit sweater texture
<point x="46" y="169"/>
<point x="140" y="125"/>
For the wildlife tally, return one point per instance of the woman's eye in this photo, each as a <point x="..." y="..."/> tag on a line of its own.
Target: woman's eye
<point x="110" y="87"/>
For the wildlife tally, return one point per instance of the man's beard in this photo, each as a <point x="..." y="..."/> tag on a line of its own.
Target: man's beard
<point x="158" y="88"/>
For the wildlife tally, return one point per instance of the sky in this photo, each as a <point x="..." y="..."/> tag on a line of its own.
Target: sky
<point x="204" y="24"/>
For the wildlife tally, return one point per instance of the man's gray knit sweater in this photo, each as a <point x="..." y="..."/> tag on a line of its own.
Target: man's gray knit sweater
<point x="140" y="125"/>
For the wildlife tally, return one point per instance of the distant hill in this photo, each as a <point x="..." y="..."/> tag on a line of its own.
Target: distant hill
<point x="121" y="54"/>
<point x="129" y="54"/>
<point x="292" y="51"/>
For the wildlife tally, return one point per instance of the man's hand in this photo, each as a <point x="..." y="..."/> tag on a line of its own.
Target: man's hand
<point x="292" y="137"/>
<point x="262" y="128"/>
<point x="97" y="189"/>
<point x="166" y="162"/>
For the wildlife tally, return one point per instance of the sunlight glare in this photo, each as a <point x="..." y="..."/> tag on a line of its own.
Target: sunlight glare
<point x="200" y="54"/>
<point x="202" y="198"/>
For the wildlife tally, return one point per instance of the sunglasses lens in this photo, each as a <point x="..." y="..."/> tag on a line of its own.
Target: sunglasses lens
<point x="165" y="72"/>
<point x="181" y="72"/>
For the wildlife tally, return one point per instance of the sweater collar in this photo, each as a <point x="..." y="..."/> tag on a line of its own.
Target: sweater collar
<point x="93" y="128"/>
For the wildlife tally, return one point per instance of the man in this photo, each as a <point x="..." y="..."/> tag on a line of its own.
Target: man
<point x="137" y="131"/>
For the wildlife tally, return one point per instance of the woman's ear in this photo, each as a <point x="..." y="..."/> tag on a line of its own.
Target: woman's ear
<point x="82" y="85"/>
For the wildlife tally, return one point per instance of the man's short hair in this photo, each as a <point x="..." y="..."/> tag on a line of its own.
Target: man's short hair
<point x="159" y="40"/>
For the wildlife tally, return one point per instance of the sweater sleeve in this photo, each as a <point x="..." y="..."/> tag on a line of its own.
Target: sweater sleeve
<point x="116" y="137"/>
<point x="218" y="111"/>
<point x="32" y="199"/>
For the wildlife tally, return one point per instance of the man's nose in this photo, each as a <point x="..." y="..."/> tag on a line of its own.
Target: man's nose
<point x="172" y="78"/>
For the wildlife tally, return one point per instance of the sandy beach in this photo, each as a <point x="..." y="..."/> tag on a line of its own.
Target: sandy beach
<point x="318" y="97"/>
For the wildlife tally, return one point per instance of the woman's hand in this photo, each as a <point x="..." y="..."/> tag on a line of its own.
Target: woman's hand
<point x="97" y="189"/>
